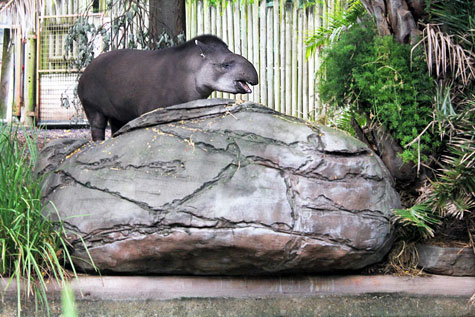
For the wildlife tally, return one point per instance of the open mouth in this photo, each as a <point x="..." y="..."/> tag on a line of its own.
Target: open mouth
<point x="243" y="87"/>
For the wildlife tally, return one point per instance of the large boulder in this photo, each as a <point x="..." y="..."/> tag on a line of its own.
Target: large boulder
<point x="217" y="187"/>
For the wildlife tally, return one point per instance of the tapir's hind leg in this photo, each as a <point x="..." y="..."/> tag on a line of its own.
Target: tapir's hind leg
<point x="98" y="123"/>
<point x="115" y="126"/>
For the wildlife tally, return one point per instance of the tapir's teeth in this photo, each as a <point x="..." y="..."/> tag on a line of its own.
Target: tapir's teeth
<point x="249" y="89"/>
<point x="246" y="87"/>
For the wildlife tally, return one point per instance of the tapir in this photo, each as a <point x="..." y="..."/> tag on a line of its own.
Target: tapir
<point x="121" y="85"/>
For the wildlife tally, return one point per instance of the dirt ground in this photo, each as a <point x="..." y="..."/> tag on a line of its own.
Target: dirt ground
<point x="46" y="135"/>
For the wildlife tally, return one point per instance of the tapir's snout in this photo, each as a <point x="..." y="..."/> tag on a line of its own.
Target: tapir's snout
<point x="253" y="80"/>
<point x="251" y="73"/>
<point x="248" y="75"/>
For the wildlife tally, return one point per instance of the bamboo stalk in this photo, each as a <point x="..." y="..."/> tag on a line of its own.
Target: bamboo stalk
<point x="288" y="63"/>
<point x="30" y="51"/>
<point x="193" y="19"/>
<point x="294" y="60"/>
<point x="319" y="22"/>
<point x="18" y="67"/>
<point x="311" y="67"/>
<point x="213" y="20"/>
<point x="187" y="20"/>
<point x="206" y="19"/>
<point x="250" y="55"/>
<point x="304" y="64"/>
<point x="270" y="59"/>
<point x="214" y="16"/>
<point x="255" y="44"/>
<point x="228" y="34"/>
<point x="282" y="59"/>
<point x="199" y="14"/>
<point x="243" y="35"/>
<point x="219" y="33"/>
<point x="230" y="27"/>
<point x="6" y="74"/>
<point x="276" y="17"/>
<point x="299" y="63"/>
<point x="237" y="28"/>
<point x="262" y="52"/>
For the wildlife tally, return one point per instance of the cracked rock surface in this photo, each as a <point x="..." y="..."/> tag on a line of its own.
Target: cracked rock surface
<point x="218" y="187"/>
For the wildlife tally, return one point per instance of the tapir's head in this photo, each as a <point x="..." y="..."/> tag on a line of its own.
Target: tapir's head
<point x="219" y="69"/>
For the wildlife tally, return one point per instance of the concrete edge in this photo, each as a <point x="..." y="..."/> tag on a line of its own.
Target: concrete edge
<point x="178" y="287"/>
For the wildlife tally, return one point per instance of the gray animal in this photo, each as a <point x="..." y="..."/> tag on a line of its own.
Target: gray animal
<point x="121" y="85"/>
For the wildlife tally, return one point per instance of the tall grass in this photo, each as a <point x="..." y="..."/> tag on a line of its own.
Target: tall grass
<point x="32" y="247"/>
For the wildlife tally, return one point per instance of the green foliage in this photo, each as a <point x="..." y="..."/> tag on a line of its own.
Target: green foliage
<point x="419" y="217"/>
<point x="81" y="33"/>
<point x="451" y="194"/>
<point x="33" y="248"/>
<point x="449" y="43"/>
<point x="453" y="190"/>
<point x="372" y="75"/>
<point x="457" y="17"/>
<point x="336" y="23"/>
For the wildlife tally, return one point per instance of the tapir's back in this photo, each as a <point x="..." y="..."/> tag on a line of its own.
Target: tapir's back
<point x="123" y="82"/>
<point x="121" y="85"/>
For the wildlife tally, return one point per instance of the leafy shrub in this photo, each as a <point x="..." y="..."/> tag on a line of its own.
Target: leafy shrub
<point x="373" y="75"/>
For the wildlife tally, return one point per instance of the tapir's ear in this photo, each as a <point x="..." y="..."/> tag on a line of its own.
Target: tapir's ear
<point x="205" y="49"/>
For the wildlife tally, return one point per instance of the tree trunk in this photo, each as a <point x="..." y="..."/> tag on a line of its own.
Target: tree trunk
<point x="396" y="17"/>
<point x="167" y="22"/>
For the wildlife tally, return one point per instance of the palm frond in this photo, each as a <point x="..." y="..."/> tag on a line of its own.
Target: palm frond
<point x="419" y="216"/>
<point x="336" y="23"/>
<point x="446" y="58"/>
<point x="23" y="13"/>
<point x="456" y="16"/>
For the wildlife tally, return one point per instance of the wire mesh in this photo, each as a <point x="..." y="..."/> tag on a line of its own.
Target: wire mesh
<point x="53" y="54"/>
<point x="57" y="76"/>
<point x="59" y="103"/>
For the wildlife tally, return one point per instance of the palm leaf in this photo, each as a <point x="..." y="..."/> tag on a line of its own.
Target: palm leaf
<point x="446" y="58"/>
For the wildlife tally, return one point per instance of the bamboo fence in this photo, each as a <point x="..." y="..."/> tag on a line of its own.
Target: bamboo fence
<point x="273" y="39"/>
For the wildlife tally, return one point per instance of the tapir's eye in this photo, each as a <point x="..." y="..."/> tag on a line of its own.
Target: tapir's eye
<point x="227" y="65"/>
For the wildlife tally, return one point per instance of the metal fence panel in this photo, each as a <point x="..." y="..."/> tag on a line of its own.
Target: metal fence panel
<point x="57" y="78"/>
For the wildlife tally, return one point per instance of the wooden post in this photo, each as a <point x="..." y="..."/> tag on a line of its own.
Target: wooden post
<point x="28" y="115"/>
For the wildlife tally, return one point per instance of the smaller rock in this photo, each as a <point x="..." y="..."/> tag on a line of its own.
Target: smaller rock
<point x="446" y="260"/>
